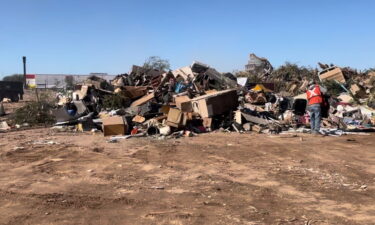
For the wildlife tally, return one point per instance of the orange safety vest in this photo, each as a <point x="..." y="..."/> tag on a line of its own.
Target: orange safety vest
<point x="314" y="96"/>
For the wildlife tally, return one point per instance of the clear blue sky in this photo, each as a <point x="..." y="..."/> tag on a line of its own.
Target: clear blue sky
<point x="83" y="36"/>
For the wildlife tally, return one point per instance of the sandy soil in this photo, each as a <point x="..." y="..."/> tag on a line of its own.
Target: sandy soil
<point x="49" y="177"/>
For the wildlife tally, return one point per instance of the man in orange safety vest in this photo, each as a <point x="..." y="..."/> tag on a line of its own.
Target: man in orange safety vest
<point x="314" y="100"/>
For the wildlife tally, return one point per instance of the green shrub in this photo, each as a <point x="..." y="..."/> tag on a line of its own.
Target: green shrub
<point x="115" y="102"/>
<point x="34" y="113"/>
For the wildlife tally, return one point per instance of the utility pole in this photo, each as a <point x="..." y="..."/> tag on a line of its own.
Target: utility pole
<point x="24" y="72"/>
<point x="24" y="79"/>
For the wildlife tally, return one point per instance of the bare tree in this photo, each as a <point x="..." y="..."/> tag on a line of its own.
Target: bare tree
<point x="14" y="77"/>
<point x="156" y="63"/>
<point x="57" y="83"/>
<point x="69" y="81"/>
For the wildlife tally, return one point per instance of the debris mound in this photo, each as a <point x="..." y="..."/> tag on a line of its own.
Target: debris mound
<point x="197" y="99"/>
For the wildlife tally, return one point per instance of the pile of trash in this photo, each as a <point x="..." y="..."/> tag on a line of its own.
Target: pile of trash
<point x="197" y="99"/>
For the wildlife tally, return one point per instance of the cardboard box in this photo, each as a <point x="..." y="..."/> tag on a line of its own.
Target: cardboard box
<point x="165" y="109"/>
<point x="115" y="125"/>
<point x="183" y="103"/>
<point x="257" y="128"/>
<point x="357" y="91"/>
<point x="80" y="94"/>
<point x="333" y="73"/>
<point x="135" y="91"/>
<point x="176" y="118"/>
<point x="184" y="73"/>
<point x="215" y="103"/>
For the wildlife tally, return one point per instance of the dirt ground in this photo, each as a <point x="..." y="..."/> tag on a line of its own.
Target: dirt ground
<point x="49" y="177"/>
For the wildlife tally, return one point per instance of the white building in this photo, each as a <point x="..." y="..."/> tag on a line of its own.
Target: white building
<point x="58" y="80"/>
